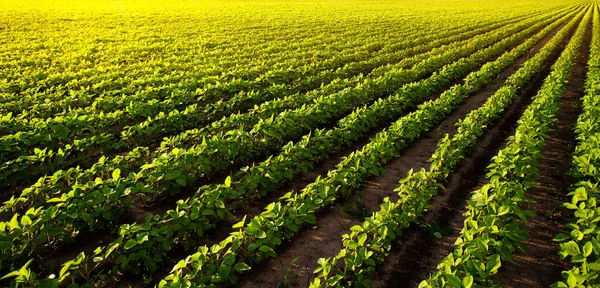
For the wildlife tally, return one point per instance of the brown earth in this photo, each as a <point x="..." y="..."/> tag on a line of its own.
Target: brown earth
<point x="540" y="265"/>
<point x="420" y="251"/>
<point x="416" y="256"/>
<point x="295" y="262"/>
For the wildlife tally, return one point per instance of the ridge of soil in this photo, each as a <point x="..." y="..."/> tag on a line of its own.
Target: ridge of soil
<point x="418" y="253"/>
<point x="334" y="221"/>
<point x="251" y="207"/>
<point x="540" y="265"/>
<point x="295" y="263"/>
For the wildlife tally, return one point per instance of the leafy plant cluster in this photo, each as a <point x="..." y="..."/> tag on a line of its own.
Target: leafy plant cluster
<point x="194" y="104"/>
<point x="55" y="184"/>
<point x="63" y="216"/>
<point x="127" y="127"/>
<point x="210" y="200"/>
<point x="368" y="244"/>
<point x="582" y="244"/>
<point x="112" y="83"/>
<point x="221" y="263"/>
<point x="494" y="223"/>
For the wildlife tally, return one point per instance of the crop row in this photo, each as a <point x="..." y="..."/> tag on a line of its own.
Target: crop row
<point x="112" y="80"/>
<point x="50" y="186"/>
<point x="44" y="225"/>
<point x="166" y="84"/>
<point x="24" y="146"/>
<point x="104" y="201"/>
<point x="582" y="244"/>
<point x="139" y="246"/>
<point x="192" y="88"/>
<point x="256" y="240"/>
<point x="241" y="52"/>
<point x="493" y="226"/>
<point x="368" y="244"/>
<point x="162" y="79"/>
<point x="152" y="130"/>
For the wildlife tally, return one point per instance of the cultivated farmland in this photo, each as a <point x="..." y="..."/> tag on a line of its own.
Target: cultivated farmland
<point x="266" y="143"/>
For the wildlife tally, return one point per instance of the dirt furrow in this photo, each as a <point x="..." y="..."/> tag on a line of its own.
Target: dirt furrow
<point x="419" y="251"/>
<point x="295" y="262"/>
<point x="540" y="265"/>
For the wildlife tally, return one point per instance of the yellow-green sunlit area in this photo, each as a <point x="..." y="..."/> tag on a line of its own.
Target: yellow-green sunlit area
<point x="269" y="143"/>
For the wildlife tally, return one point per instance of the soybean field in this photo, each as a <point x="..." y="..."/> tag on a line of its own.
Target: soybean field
<point x="300" y="143"/>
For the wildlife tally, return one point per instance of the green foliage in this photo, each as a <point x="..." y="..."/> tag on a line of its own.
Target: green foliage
<point x="93" y="116"/>
<point x="417" y="188"/>
<point x="582" y="245"/>
<point x="494" y="224"/>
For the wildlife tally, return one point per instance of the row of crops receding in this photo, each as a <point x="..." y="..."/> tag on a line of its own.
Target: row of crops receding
<point x="299" y="144"/>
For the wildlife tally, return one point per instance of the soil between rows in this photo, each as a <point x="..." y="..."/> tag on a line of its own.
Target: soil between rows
<point x="540" y="265"/>
<point x="295" y="262"/>
<point x="418" y="254"/>
<point x="253" y="207"/>
<point x="338" y="222"/>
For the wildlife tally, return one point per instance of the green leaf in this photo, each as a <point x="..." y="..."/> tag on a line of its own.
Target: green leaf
<point x="454" y="280"/>
<point x="11" y="274"/>
<point x="181" y="264"/>
<point x="503" y="210"/>
<point x="65" y="268"/>
<point x="493" y="263"/>
<point x="356" y="228"/>
<point x="587" y="249"/>
<point x="55" y="200"/>
<point x="286" y="196"/>
<point x="121" y="259"/>
<point x="172" y="174"/>
<point x="467" y="282"/>
<point x="116" y="174"/>
<point x="182" y="180"/>
<point x="561" y="237"/>
<point x="311" y="219"/>
<point x="241" y="267"/>
<point x="594" y="266"/>
<point x="571" y="280"/>
<point x="21" y="271"/>
<point x="265" y="248"/>
<point x="240" y="224"/>
<point x="14" y="222"/>
<point x="228" y="181"/>
<point x="361" y="239"/>
<point x="571" y="248"/>
<point x="130" y="243"/>
<point x="25" y="221"/>
<point x="7" y="117"/>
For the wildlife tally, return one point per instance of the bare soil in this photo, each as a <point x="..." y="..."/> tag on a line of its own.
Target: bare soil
<point x="293" y="265"/>
<point x="416" y="256"/>
<point x="295" y="261"/>
<point x="540" y="265"/>
<point x="417" y="253"/>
